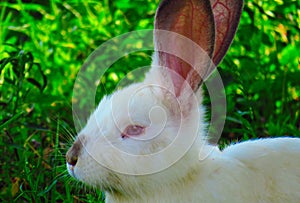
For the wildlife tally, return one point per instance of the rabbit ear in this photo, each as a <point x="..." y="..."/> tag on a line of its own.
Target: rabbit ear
<point x="191" y="19"/>
<point x="227" y="16"/>
<point x="197" y="21"/>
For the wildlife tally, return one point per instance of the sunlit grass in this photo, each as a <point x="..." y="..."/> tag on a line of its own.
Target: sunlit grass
<point x="44" y="44"/>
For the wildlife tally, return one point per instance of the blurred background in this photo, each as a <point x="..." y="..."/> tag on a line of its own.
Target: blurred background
<point x="43" y="45"/>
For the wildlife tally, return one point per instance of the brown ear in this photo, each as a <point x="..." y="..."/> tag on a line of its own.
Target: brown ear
<point x="210" y="24"/>
<point x="227" y="16"/>
<point x="194" y="20"/>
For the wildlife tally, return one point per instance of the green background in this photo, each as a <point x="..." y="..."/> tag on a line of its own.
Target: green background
<point x="44" y="43"/>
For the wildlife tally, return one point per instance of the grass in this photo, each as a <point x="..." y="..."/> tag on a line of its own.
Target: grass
<point x="43" y="45"/>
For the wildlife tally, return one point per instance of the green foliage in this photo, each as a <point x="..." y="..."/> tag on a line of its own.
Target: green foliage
<point x="263" y="70"/>
<point x="44" y="43"/>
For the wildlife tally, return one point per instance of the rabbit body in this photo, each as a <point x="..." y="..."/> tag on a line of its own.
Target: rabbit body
<point x="253" y="171"/>
<point x="264" y="170"/>
<point x="147" y="142"/>
<point x="234" y="175"/>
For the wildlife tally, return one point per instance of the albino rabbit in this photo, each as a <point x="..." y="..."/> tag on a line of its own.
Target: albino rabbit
<point x="147" y="142"/>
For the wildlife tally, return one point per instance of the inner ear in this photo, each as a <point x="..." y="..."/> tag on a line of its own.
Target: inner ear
<point x="191" y="27"/>
<point x="227" y="16"/>
<point x="210" y="24"/>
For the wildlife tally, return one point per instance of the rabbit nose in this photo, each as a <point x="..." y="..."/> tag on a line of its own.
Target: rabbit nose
<point x="73" y="152"/>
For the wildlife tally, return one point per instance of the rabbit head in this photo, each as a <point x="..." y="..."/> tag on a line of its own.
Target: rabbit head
<point x="149" y="133"/>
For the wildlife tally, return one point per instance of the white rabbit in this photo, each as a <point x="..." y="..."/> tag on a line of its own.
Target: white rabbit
<point x="142" y="143"/>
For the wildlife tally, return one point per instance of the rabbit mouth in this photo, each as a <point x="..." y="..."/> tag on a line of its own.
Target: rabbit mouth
<point x="70" y="169"/>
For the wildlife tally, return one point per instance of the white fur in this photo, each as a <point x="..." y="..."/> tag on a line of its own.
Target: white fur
<point x="265" y="170"/>
<point x="187" y="168"/>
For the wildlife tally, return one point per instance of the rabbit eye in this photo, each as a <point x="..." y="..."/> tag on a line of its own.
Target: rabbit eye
<point x="133" y="131"/>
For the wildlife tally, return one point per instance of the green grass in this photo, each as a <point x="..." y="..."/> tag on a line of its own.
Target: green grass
<point x="43" y="45"/>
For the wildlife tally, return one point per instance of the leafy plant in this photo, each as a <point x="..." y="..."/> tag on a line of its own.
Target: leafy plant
<point x="43" y="45"/>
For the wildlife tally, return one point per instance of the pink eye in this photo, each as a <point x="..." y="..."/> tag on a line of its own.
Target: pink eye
<point x="133" y="131"/>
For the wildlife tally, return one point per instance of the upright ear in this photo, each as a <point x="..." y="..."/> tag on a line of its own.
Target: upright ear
<point x="190" y="26"/>
<point x="227" y="15"/>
